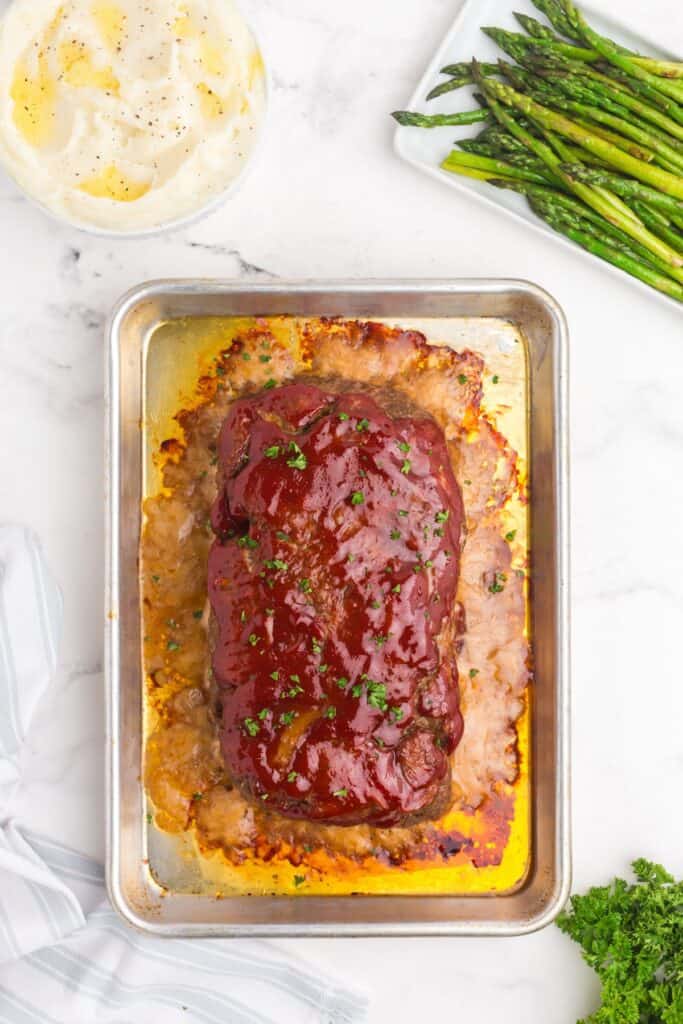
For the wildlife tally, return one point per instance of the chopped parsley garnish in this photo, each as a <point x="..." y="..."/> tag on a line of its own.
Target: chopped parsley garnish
<point x="438" y="532"/>
<point x="396" y="714"/>
<point x="376" y="604"/>
<point x="270" y="383"/>
<point x="343" y="416"/>
<point x="281" y="535"/>
<point x="172" y="646"/>
<point x="251" y="726"/>
<point x="197" y="796"/>
<point x="381" y="639"/>
<point x="243" y="616"/>
<point x="292" y="776"/>
<point x="272" y="452"/>
<point x="246" y="356"/>
<point x="462" y="378"/>
<point x="323" y="669"/>
<point x="473" y="672"/>
<point x="270" y="612"/>
<point x="441" y="517"/>
<point x="305" y="586"/>
<point x="405" y="448"/>
<point x="316" y="645"/>
<point x="362" y="424"/>
<point x="265" y="359"/>
<point x="377" y="695"/>
<point x="357" y="498"/>
<point x="395" y="534"/>
<point x="263" y="713"/>
<point x="498" y="584"/>
<point x="198" y="614"/>
<point x="396" y="589"/>
<point x="150" y="819"/>
<point x="509" y="537"/>
<point x="406" y="467"/>
<point x="298" y="459"/>
<point x="331" y="712"/>
<point x="403" y="512"/>
<point x="253" y="639"/>
<point x="341" y="793"/>
<point x="275" y="675"/>
<point x="276" y="563"/>
<point x="357" y="689"/>
<point x="299" y="880"/>
<point x="520" y="573"/>
<point x="287" y="717"/>
<point x="378" y="740"/>
<point x="495" y="378"/>
<point x="342" y="682"/>
<point x="247" y="542"/>
<point x="295" y="679"/>
<point x="156" y="579"/>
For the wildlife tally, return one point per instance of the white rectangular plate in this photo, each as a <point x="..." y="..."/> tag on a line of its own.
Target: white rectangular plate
<point x="425" y="148"/>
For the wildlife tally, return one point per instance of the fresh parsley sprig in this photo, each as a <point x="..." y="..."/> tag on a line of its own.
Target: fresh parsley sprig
<point x="631" y="935"/>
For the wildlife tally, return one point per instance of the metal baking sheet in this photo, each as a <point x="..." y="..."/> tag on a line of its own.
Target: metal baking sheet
<point x="133" y="889"/>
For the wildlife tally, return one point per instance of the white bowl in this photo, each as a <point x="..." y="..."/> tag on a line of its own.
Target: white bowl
<point x="189" y="219"/>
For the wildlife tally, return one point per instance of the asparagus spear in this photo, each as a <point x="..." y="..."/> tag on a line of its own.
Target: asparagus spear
<point x="409" y="117"/>
<point x="611" y="254"/>
<point x="556" y="17"/>
<point x="624" y="81"/>
<point x="607" y="76"/>
<point x="569" y="206"/>
<point x="450" y="86"/>
<point x="632" y="66"/>
<point x="515" y="41"/>
<point x="625" y="128"/>
<point x="536" y="28"/>
<point x="456" y="159"/>
<point x="664" y="180"/>
<point x="465" y="68"/>
<point x="595" y="90"/>
<point x="600" y="202"/>
<point x="627" y="188"/>
<point x="543" y="93"/>
<point x="522" y="159"/>
<point x="658" y="224"/>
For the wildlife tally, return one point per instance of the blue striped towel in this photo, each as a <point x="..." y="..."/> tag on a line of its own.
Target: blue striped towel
<point x="65" y="956"/>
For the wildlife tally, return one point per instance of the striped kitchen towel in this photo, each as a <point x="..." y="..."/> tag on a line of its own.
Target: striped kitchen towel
<point x="65" y="956"/>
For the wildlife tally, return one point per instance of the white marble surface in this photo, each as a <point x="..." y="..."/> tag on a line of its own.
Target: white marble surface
<point x="329" y="199"/>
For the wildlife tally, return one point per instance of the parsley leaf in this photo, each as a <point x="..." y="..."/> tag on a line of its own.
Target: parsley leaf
<point x="631" y="935"/>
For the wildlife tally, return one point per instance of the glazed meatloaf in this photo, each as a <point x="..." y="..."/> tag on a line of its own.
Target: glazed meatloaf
<point x="307" y="715"/>
<point x="332" y="582"/>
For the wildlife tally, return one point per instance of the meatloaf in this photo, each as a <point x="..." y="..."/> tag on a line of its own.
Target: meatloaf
<point x="332" y="582"/>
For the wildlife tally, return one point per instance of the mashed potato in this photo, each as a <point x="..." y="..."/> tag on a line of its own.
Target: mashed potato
<point x="127" y="114"/>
